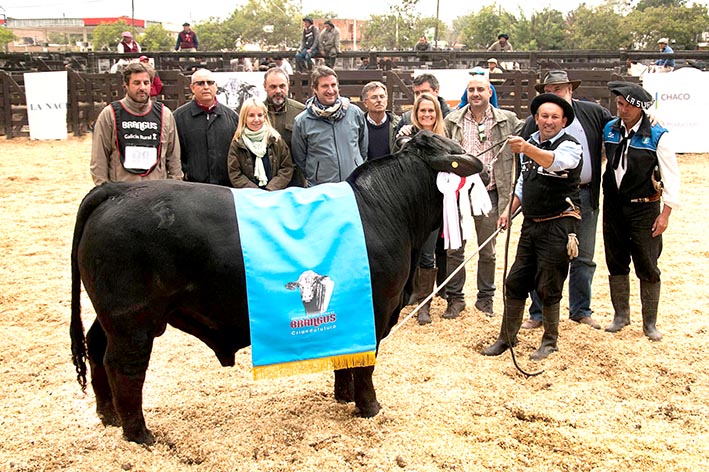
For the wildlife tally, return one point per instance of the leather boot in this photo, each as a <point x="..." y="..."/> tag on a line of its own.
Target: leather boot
<point x="620" y="297"/>
<point x="454" y="308"/>
<point x="511" y="322"/>
<point x="550" y="322"/>
<point x="650" y="298"/>
<point x="426" y="279"/>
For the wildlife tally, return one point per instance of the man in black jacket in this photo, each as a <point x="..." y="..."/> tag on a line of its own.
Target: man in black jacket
<point x="205" y="128"/>
<point x="587" y="128"/>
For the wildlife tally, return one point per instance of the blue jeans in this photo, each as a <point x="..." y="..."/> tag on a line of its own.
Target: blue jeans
<point x="582" y="267"/>
<point x="485" y="226"/>
<point x="302" y="60"/>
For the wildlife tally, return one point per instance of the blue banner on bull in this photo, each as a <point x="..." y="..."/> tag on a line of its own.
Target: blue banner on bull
<point x="307" y="280"/>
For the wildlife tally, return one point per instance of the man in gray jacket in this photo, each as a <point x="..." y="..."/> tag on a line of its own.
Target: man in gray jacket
<point x="330" y="137"/>
<point x="476" y="126"/>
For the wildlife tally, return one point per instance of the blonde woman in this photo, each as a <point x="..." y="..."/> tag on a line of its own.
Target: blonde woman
<point x="426" y="114"/>
<point x="258" y="156"/>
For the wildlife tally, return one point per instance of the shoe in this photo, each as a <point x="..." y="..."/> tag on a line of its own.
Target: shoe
<point x="453" y="309"/>
<point x="485" y="305"/>
<point x="532" y="324"/>
<point x="587" y="320"/>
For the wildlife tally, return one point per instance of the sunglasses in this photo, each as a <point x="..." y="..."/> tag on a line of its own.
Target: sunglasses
<point x="482" y="137"/>
<point x="202" y="83"/>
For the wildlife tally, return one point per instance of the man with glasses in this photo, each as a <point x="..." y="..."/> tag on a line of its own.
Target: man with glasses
<point x="134" y="138"/>
<point x="380" y="123"/>
<point x="477" y="126"/>
<point x="205" y="128"/>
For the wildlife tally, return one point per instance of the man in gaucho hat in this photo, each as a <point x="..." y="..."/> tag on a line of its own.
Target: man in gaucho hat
<point x="548" y="192"/>
<point x="587" y="128"/>
<point x="640" y="189"/>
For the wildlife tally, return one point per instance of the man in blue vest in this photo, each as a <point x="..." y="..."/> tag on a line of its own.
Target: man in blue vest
<point x="640" y="189"/>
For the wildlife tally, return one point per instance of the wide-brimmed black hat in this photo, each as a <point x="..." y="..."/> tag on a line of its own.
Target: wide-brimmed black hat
<point x="633" y="93"/>
<point x="551" y="98"/>
<point x="556" y="77"/>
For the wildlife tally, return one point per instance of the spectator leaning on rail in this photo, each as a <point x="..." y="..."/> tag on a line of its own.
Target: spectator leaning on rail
<point x="330" y="43"/>
<point x="380" y="122"/>
<point x="330" y="136"/>
<point x="502" y="44"/>
<point x="664" y="64"/>
<point x="186" y="39"/>
<point x="135" y="138"/>
<point x="640" y="190"/>
<point x="205" y="127"/>
<point x="476" y="126"/>
<point x="309" y="44"/>
<point x="587" y="128"/>
<point x="128" y="44"/>
<point x="547" y="191"/>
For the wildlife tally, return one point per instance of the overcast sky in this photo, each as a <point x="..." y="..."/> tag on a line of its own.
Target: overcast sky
<point x="178" y="11"/>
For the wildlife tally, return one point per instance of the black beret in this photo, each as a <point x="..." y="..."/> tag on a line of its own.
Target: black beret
<point x="308" y="19"/>
<point x="633" y="93"/>
<point x="551" y="98"/>
<point x="185" y="24"/>
<point x="503" y="35"/>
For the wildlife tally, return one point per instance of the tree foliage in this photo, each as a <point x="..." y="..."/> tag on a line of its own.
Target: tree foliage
<point x="108" y="35"/>
<point x="395" y="30"/>
<point x="545" y="30"/>
<point x="681" y="24"/>
<point x="479" y="30"/>
<point x="157" y="38"/>
<point x="596" y="28"/>
<point x="247" y="25"/>
<point x="6" y="36"/>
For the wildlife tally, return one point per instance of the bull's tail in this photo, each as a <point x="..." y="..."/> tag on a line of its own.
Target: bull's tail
<point x="76" y="328"/>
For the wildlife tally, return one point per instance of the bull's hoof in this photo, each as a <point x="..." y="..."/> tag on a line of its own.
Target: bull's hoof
<point x="108" y="416"/>
<point x="344" y="395"/>
<point x="140" y="437"/>
<point x="368" y="411"/>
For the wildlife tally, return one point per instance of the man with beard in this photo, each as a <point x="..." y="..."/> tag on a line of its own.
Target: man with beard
<point x="135" y="138"/>
<point x="205" y="128"/>
<point x="282" y="110"/>
<point x="330" y="137"/>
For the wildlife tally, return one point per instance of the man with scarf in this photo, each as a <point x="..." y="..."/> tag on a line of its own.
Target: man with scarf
<point x="640" y="190"/>
<point x="205" y="128"/>
<point x="330" y="137"/>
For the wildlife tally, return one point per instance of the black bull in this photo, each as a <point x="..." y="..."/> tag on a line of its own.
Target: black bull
<point x="165" y="252"/>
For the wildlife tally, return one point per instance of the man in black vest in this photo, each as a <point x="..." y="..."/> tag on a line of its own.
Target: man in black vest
<point x="548" y="191"/>
<point x="587" y="128"/>
<point x="641" y="177"/>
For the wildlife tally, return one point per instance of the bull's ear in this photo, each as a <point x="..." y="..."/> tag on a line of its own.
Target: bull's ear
<point x="444" y="155"/>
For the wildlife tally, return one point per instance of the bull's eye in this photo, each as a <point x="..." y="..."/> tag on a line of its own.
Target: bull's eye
<point x="454" y="165"/>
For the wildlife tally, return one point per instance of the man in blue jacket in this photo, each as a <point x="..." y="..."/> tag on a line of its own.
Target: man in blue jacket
<point x="330" y="137"/>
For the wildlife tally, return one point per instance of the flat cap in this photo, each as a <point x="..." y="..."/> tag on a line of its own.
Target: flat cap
<point x="632" y="93"/>
<point x="663" y="41"/>
<point x="539" y="100"/>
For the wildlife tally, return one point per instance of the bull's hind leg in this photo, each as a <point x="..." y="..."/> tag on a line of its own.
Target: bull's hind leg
<point x="126" y="362"/>
<point x="344" y="386"/>
<point x="365" y="396"/>
<point x="96" y="344"/>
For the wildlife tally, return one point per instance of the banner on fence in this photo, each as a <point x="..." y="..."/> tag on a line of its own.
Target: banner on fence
<point x="233" y="88"/>
<point x="46" y="95"/>
<point x="681" y="101"/>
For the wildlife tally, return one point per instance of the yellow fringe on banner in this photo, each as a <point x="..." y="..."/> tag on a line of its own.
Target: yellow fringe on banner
<point x="311" y="366"/>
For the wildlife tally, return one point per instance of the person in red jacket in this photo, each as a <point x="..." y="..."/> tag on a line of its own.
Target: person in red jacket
<point x="186" y="39"/>
<point x="156" y="85"/>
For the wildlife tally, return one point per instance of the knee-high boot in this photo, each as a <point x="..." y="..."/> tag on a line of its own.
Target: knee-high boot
<point x="550" y="322"/>
<point x="650" y="299"/>
<point x="620" y="297"/>
<point x="426" y="279"/>
<point x="511" y="322"/>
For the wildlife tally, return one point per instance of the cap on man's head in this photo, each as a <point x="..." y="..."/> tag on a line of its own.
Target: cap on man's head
<point x="663" y="41"/>
<point x="308" y="19"/>
<point x="503" y="35"/>
<point x="634" y="94"/>
<point x="554" y="77"/>
<point x="477" y="70"/>
<point x="127" y="34"/>
<point x="185" y="24"/>
<point x="144" y="59"/>
<point x="492" y="59"/>
<point x="539" y="100"/>
<point x="328" y="22"/>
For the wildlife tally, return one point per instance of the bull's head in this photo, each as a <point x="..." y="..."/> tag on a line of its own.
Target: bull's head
<point x="441" y="154"/>
<point x="307" y="283"/>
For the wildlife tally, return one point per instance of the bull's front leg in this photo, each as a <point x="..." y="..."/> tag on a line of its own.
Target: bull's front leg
<point x="365" y="397"/>
<point x="126" y="364"/>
